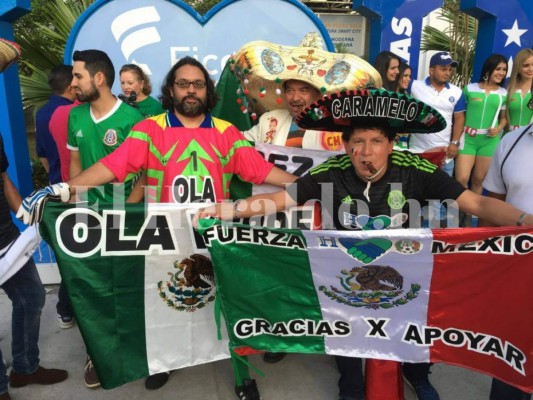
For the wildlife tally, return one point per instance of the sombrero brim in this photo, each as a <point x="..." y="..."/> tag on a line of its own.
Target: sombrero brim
<point x="371" y="107"/>
<point x="262" y="67"/>
<point x="9" y="53"/>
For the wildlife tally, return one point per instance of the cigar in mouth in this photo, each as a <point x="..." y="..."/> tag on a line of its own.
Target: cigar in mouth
<point x="370" y="167"/>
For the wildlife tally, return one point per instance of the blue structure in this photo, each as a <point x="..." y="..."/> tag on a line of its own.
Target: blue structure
<point x="396" y="25"/>
<point x="11" y="115"/>
<point x="156" y="34"/>
<point x="505" y="27"/>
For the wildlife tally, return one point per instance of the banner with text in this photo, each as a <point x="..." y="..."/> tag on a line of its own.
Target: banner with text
<point x="458" y="296"/>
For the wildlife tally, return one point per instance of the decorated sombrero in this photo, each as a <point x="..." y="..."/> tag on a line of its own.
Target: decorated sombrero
<point x="371" y="107"/>
<point x="9" y="53"/>
<point x="262" y="67"/>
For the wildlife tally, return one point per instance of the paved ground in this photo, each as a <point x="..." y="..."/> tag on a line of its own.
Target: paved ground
<point x="298" y="377"/>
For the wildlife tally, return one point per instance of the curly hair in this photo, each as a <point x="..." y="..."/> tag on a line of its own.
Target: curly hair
<point x="166" y="98"/>
<point x="141" y="76"/>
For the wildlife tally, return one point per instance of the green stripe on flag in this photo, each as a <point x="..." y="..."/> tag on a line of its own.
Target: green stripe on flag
<point x="107" y="295"/>
<point x="265" y="298"/>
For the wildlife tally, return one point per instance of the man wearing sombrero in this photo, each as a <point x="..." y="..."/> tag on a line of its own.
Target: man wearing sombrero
<point x="373" y="186"/>
<point x="284" y="80"/>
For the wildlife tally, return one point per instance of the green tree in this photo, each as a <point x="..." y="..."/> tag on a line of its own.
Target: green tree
<point x="459" y="38"/>
<point x="42" y="36"/>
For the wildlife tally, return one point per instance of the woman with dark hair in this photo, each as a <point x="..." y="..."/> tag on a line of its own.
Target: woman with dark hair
<point x="403" y="79"/>
<point x="485" y="120"/>
<point x="136" y="86"/>
<point x="387" y="64"/>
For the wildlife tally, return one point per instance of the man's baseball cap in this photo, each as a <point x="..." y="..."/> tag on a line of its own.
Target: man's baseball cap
<point x="442" y="58"/>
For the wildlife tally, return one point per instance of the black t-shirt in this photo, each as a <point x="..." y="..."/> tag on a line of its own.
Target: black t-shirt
<point x="8" y="230"/>
<point x="394" y="200"/>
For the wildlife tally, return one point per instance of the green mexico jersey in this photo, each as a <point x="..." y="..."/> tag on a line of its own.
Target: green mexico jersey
<point x="96" y="138"/>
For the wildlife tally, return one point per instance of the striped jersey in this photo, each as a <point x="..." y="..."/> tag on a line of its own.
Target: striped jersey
<point x="341" y="191"/>
<point x="185" y="165"/>
<point x="482" y="110"/>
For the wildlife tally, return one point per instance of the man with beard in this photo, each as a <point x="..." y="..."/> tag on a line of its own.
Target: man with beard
<point x="98" y="127"/>
<point x="95" y="129"/>
<point x="185" y="144"/>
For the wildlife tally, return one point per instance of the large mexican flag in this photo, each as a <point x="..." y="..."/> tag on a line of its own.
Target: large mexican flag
<point x="141" y="285"/>
<point x="459" y="296"/>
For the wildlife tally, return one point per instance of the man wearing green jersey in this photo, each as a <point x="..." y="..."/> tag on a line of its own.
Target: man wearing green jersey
<point x="95" y="129"/>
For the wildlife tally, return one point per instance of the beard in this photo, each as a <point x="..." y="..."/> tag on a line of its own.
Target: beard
<point x="89" y="96"/>
<point x="189" y="109"/>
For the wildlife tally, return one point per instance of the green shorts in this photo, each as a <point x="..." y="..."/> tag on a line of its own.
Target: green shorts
<point x="480" y="145"/>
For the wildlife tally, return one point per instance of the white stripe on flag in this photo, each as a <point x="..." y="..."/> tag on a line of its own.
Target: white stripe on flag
<point x="344" y="297"/>
<point x="179" y="332"/>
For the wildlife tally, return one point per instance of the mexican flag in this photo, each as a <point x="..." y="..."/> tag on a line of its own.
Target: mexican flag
<point x="459" y="296"/>
<point x="141" y="285"/>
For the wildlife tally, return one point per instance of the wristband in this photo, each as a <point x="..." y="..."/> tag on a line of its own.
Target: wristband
<point x="521" y="218"/>
<point x="456" y="142"/>
<point x="236" y="209"/>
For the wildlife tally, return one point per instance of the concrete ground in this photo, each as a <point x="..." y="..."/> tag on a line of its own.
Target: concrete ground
<point x="297" y="377"/>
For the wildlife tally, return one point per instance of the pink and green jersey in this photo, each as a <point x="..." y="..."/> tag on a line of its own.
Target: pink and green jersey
<point x="186" y="165"/>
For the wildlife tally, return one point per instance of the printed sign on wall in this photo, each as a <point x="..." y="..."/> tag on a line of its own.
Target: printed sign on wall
<point x="156" y="34"/>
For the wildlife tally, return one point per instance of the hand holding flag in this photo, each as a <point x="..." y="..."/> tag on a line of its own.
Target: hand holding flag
<point x="32" y="207"/>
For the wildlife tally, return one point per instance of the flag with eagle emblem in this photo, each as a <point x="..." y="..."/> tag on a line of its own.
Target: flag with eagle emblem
<point x="458" y="296"/>
<point x="141" y="286"/>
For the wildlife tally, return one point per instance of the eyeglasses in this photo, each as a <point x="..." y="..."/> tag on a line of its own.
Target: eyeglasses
<point x="184" y="84"/>
<point x="530" y="104"/>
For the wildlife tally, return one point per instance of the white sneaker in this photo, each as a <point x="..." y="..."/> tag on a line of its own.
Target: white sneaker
<point x="66" y="321"/>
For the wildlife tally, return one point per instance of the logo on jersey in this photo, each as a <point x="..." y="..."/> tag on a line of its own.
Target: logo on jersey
<point x="79" y="133"/>
<point x="347" y="200"/>
<point x="110" y="137"/>
<point x="396" y="199"/>
<point x="368" y="223"/>
<point x="193" y="189"/>
<point x="452" y="99"/>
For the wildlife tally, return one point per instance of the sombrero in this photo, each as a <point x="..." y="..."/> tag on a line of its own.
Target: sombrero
<point x="9" y="53"/>
<point x="397" y="112"/>
<point x="262" y="67"/>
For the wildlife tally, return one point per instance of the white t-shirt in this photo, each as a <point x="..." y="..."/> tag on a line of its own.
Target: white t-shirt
<point x="448" y="101"/>
<point x="517" y="186"/>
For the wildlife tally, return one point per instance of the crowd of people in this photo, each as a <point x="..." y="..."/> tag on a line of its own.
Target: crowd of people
<point x="87" y="137"/>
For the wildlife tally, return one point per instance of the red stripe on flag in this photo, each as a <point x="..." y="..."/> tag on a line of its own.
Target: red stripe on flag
<point x="481" y="298"/>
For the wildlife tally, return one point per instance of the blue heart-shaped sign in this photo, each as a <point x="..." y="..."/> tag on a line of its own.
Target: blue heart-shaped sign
<point x="158" y="33"/>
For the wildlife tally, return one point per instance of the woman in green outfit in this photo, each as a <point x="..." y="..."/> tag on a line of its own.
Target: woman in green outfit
<point x="519" y="101"/>
<point x="484" y="122"/>
<point x="134" y="80"/>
